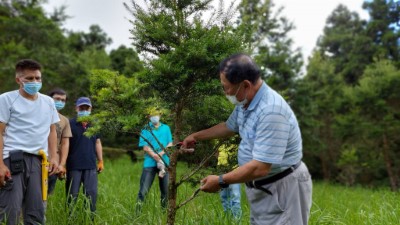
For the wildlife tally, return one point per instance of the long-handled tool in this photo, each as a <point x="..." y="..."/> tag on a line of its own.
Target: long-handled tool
<point x="45" y="174"/>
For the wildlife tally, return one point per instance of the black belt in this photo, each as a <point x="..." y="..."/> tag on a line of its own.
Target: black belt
<point x="32" y="155"/>
<point x="276" y="177"/>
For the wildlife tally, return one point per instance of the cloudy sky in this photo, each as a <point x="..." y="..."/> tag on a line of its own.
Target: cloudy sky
<point x="308" y="16"/>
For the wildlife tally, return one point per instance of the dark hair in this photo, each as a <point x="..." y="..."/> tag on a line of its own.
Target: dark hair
<point x="239" y="67"/>
<point x="57" y="91"/>
<point x="27" y="64"/>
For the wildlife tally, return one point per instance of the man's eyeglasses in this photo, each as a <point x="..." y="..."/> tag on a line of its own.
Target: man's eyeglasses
<point x="59" y="99"/>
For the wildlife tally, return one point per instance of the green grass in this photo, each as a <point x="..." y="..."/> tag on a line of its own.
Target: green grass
<point x="119" y="184"/>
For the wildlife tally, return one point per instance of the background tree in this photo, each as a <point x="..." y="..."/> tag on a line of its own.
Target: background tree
<point x="346" y="43"/>
<point x="317" y="101"/>
<point x="186" y="52"/>
<point x="342" y="117"/>
<point x="125" y="61"/>
<point x="383" y="28"/>
<point x="266" y="31"/>
<point x="375" y="111"/>
<point x="65" y="64"/>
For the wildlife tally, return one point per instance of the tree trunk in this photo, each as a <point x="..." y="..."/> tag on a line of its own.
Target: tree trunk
<point x="388" y="163"/>
<point x="172" y="189"/>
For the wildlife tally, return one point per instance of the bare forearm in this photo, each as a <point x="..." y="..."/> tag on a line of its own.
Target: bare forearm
<point x="148" y="150"/>
<point x="2" y="128"/>
<point x="52" y="151"/>
<point x="99" y="150"/>
<point x="64" y="151"/>
<point x="217" y="131"/>
<point x="248" y="172"/>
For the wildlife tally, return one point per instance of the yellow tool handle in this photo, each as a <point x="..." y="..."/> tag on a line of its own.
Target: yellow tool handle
<point x="45" y="174"/>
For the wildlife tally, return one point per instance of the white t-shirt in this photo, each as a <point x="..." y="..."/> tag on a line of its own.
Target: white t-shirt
<point x="27" y="122"/>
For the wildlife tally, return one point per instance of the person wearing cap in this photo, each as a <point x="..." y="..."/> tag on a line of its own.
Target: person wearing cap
<point x="278" y="183"/>
<point x="85" y="157"/>
<point x="27" y="125"/>
<point x="63" y="134"/>
<point x="153" y="164"/>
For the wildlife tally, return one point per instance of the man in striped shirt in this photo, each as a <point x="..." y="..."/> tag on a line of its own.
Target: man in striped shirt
<point x="278" y="184"/>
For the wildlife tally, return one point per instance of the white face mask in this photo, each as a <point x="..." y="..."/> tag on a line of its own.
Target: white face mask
<point x="233" y="99"/>
<point x="155" y="119"/>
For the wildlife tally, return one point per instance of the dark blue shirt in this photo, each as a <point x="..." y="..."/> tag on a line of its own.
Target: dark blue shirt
<point x="82" y="150"/>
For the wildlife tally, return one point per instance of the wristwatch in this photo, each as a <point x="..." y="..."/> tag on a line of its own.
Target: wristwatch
<point x="222" y="183"/>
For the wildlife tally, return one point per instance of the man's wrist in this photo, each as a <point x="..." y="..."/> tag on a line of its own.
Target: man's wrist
<point x="221" y="182"/>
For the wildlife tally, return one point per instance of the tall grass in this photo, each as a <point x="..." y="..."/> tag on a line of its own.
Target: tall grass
<point x="119" y="185"/>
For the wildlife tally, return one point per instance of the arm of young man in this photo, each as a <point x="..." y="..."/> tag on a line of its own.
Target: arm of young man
<point x="63" y="155"/>
<point x="52" y="142"/>
<point x="99" y="153"/>
<point x="4" y="171"/>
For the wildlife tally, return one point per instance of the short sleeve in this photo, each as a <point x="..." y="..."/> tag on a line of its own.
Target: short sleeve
<point x="53" y="111"/>
<point x="142" y="142"/>
<point x="231" y="123"/>
<point x="4" y="109"/>
<point x="169" y="139"/>
<point x="66" y="133"/>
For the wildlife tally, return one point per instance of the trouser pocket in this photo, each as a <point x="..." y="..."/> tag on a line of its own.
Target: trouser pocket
<point x="16" y="162"/>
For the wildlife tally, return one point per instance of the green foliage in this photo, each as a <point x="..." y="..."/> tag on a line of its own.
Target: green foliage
<point x="125" y="61"/>
<point x="346" y="43"/>
<point x="383" y="28"/>
<point x="347" y="102"/>
<point x="187" y="52"/>
<point x="96" y="38"/>
<point x="375" y="102"/>
<point x="31" y="34"/>
<point x="119" y="105"/>
<point x="317" y="101"/>
<point x="266" y="33"/>
<point x="348" y="163"/>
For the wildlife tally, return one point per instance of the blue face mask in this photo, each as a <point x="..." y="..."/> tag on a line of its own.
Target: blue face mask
<point x="155" y="119"/>
<point x="32" y="87"/>
<point x="83" y="113"/>
<point x="59" y="105"/>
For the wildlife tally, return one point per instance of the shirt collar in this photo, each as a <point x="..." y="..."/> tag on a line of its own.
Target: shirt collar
<point x="263" y="89"/>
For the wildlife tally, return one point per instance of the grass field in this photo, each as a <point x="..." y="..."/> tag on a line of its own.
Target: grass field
<point x="119" y="184"/>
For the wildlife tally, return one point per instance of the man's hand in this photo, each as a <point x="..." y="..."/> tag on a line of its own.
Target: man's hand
<point x="53" y="165"/>
<point x="4" y="174"/>
<point x="100" y="166"/>
<point x="61" y="171"/>
<point x="210" y="184"/>
<point x="188" y="142"/>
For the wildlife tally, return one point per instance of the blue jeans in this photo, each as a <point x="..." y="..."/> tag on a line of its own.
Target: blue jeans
<point x="146" y="180"/>
<point x="230" y="198"/>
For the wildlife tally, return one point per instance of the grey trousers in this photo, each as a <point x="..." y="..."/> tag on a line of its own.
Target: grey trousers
<point x="289" y="204"/>
<point x="88" y="178"/>
<point x="24" y="193"/>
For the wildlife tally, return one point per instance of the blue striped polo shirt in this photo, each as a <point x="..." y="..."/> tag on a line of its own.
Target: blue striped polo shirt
<point x="269" y="131"/>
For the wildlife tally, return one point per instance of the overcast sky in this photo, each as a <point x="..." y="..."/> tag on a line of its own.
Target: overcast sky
<point x="309" y="17"/>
